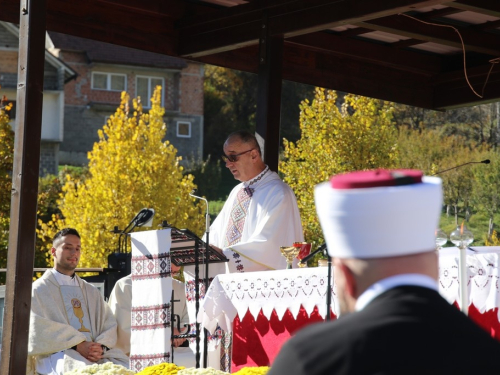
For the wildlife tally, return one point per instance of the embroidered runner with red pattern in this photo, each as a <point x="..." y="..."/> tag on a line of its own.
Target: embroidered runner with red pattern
<point x="237" y="219"/>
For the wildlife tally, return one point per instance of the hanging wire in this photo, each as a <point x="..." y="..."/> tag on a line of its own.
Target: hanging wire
<point x="492" y="61"/>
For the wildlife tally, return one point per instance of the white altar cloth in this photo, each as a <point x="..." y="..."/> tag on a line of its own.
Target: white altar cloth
<point x="482" y="276"/>
<point x="235" y="294"/>
<point x="230" y="295"/>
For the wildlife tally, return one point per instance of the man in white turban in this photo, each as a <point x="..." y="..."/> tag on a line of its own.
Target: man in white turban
<point x="379" y="228"/>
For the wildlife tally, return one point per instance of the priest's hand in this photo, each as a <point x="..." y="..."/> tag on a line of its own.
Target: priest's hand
<point x="90" y="350"/>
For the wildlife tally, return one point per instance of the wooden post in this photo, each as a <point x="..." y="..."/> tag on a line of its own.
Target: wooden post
<point x="269" y="95"/>
<point x="25" y="173"/>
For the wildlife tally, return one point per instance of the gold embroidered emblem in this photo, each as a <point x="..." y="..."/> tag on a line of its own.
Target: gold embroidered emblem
<point x="78" y="311"/>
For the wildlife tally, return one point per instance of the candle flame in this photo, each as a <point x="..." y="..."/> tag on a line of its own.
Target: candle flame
<point x="462" y="228"/>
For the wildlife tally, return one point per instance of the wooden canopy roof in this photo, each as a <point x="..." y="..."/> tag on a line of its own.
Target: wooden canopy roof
<point x="364" y="47"/>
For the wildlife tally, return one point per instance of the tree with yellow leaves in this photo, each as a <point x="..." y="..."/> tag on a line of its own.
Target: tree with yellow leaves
<point x="130" y="168"/>
<point x="357" y="136"/>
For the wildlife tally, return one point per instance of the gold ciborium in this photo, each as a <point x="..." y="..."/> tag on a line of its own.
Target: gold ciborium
<point x="289" y="252"/>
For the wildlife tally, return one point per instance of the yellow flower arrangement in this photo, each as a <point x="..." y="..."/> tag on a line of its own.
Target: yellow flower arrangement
<point x="262" y="370"/>
<point x="161" y="369"/>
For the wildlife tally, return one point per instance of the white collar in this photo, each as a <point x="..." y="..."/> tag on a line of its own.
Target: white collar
<point x="391" y="282"/>
<point x="63" y="279"/>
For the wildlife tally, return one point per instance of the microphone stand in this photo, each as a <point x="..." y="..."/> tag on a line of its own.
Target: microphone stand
<point x="207" y="261"/>
<point x="486" y="161"/>
<point x="324" y="249"/>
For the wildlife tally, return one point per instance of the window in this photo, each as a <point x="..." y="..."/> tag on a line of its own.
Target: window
<point x="183" y="129"/>
<point x="145" y="88"/>
<point x="109" y="81"/>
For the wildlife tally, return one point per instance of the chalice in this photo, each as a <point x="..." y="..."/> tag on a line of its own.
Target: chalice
<point x="304" y="250"/>
<point x="289" y="252"/>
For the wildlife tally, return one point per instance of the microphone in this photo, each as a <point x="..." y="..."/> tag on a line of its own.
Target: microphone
<point x="486" y="161"/>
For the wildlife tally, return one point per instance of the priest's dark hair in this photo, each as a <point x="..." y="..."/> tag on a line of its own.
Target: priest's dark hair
<point x="65" y="232"/>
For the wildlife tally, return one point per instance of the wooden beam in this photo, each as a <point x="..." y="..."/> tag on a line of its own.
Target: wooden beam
<point x="452" y="90"/>
<point x="371" y="52"/>
<point x="107" y="22"/>
<point x="9" y="11"/>
<point x="337" y="73"/>
<point x="148" y="26"/>
<point x="488" y="7"/>
<point x="22" y="231"/>
<point x="269" y="96"/>
<point x="401" y="25"/>
<point x="239" y="26"/>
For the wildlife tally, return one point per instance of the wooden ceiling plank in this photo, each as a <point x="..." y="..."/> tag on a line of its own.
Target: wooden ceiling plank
<point x="355" y="31"/>
<point x="290" y="19"/>
<point x="488" y="7"/>
<point x="401" y="25"/>
<point x="404" y="43"/>
<point x="438" y="13"/>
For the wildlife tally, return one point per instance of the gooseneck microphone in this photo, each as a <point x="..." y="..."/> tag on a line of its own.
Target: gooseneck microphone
<point x="486" y="161"/>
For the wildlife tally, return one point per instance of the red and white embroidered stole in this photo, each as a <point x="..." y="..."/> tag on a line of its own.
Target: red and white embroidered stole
<point x="236" y="221"/>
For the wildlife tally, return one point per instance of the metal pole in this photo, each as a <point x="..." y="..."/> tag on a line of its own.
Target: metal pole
<point x="25" y="173"/>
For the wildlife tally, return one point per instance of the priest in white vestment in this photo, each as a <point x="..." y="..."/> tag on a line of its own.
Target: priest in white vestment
<point x="260" y="214"/>
<point x="71" y="326"/>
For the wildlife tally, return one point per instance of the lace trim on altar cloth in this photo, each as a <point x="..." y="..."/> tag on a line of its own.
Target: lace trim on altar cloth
<point x="482" y="278"/>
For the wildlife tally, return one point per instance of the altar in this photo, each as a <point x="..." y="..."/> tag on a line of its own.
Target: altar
<point x="263" y="309"/>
